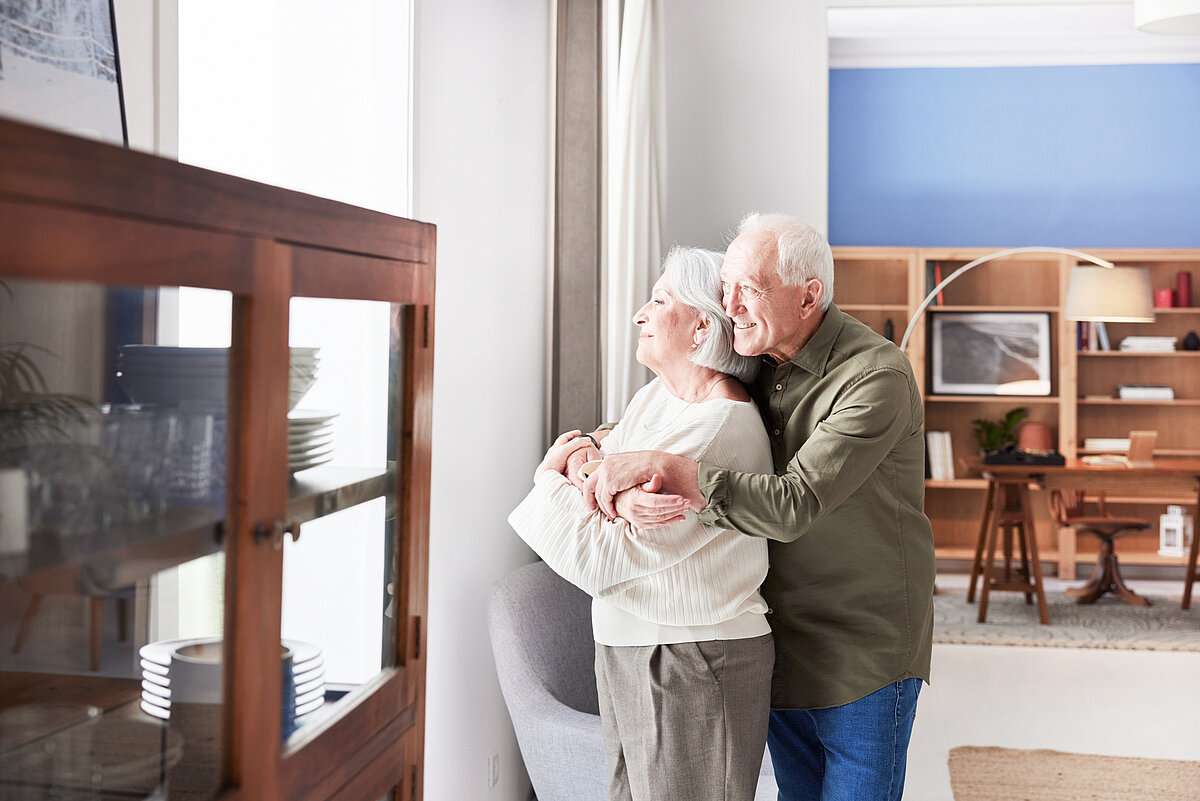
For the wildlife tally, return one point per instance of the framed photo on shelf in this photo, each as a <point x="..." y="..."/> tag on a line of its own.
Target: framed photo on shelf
<point x="990" y="353"/>
<point x="59" y="67"/>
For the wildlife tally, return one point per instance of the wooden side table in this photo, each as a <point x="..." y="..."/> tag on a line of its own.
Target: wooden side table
<point x="1007" y="512"/>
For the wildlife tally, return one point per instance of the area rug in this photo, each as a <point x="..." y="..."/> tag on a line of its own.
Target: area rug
<point x="1108" y="623"/>
<point x="1007" y="774"/>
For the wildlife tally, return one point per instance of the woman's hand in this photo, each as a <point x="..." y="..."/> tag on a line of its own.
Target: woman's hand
<point x="583" y="454"/>
<point x="570" y="451"/>
<point x="556" y="458"/>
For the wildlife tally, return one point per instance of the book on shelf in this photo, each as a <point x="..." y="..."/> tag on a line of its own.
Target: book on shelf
<point x="933" y="277"/>
<point x="1106" y="444"/>
<point x="940" y="454"/>
<point x="1148" y="344"/>
<point x="1091" y="335"/>
<point x="1144" y="392"/>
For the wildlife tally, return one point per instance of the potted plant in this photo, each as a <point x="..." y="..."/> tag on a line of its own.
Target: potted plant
<point x="992" y="435"/>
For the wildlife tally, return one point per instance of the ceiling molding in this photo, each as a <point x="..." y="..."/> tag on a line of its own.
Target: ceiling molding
<point x="994" y="34"/>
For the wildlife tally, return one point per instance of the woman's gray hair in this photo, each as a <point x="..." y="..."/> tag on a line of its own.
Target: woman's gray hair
<point x="803" y="251"/>
<point x="695" y="278"/>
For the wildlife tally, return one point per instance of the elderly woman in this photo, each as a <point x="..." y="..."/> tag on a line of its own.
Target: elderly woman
<point x="683" y="649"/>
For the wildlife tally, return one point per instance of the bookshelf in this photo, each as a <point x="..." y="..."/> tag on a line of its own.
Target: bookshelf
<point x="876" y="284"/>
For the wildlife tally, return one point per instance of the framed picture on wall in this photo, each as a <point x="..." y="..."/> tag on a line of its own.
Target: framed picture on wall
<point x="59" y="67"/>
<point x="991" y="353"/>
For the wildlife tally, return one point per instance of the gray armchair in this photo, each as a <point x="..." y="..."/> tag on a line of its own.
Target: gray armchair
<point x="541" y="630"/>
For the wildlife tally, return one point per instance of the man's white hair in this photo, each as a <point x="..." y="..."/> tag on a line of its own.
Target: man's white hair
<point x="803" y="252"/>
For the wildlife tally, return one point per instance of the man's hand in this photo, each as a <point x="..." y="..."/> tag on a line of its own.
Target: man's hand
<point x="621" y="471"/>
<point x="644" y="508"/>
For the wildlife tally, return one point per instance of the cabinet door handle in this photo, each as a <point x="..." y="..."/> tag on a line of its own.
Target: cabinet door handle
<point x="273" y="532"/>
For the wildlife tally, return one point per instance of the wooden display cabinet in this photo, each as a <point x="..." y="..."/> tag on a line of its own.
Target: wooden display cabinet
<point x="95" y="225"/>
<point x="877" y="282"/>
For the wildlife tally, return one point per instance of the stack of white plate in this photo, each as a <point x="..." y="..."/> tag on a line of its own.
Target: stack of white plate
<point x="302" y="372"/>
<point x="308" y="677"/>
<point x="310" y="439"/>
<point x="165" y="374"/>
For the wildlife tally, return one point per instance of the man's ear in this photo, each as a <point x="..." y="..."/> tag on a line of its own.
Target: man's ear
<point x="814" y="290"/>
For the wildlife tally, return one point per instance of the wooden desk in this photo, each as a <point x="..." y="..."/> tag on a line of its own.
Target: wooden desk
<point x="1163" y="476"/>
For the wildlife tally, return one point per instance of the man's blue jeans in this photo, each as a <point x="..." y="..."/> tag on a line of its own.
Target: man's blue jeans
<point x="854" y="752"/>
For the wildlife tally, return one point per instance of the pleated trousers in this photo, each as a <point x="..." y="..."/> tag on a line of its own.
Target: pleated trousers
<point x="685" y="720"/>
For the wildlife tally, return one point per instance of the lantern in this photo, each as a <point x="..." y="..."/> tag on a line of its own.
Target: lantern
<point x="1174" y="532"/>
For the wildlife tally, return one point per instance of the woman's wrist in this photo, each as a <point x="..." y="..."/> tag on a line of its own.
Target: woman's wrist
<point x="590" y="438"/>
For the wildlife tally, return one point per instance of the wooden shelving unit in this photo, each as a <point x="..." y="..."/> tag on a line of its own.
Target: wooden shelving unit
<point x="879" y="283"/>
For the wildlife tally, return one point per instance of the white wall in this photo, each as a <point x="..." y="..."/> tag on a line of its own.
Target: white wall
<point x="147" y="32"/>
<point x="481" y="159"/>
<point x="747" y="114"/>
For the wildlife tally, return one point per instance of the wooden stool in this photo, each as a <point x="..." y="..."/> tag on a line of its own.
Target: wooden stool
<point x="1007" y="509"/>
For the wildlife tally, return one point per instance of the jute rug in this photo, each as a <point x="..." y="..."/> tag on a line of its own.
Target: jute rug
<point x="1108" y="623"/>
<point x="1006" y="774"/>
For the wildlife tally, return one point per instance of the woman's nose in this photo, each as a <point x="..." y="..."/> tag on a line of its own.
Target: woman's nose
<point x="640" y="317"/>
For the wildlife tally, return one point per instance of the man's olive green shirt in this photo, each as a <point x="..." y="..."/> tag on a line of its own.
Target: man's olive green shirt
<point x="851" y="579"/>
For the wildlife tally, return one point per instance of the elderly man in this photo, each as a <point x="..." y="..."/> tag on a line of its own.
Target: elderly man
<point x="851" y="579"/>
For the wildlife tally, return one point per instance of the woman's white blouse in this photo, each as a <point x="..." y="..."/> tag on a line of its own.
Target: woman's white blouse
<point x="686" y="582"/>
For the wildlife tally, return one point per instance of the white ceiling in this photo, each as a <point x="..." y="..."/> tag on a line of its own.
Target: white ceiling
<point x="949" y="33"/>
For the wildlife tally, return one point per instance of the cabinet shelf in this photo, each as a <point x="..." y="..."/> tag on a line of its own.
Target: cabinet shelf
<point x="114" y="557"/>
<point x="1124" y="402"/>
<point x="960" y="307"/>
<point x="325" y="490"/>
<point x="887" y="307"/>
<point x="957" y="483"/>
<point x="1183" y="453"/>
<point x="120" y="556"/>
<point x="1048" y="399"/>
<point x="1127" y="354"/>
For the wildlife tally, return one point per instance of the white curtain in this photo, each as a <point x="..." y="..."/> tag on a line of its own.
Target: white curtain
<point x="637" y="182"/>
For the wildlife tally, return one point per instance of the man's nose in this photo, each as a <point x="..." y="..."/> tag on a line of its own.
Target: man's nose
<point x="732" y="301"/>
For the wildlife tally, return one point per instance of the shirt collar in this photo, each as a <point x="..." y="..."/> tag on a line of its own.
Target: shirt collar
<point x="814" y="356"/>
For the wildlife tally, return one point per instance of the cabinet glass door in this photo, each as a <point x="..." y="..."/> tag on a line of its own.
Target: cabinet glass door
<point x="338" y="575"/>
<point x="114" y="459"/>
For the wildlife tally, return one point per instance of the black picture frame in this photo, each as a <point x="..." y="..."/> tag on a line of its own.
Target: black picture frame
<point x="60" y="67"/>
<point x="990" y="353"/>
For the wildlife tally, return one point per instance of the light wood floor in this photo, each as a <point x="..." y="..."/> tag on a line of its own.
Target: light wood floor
<point x="1124" y="703"/>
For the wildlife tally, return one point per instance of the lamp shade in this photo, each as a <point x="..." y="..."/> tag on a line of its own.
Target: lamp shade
<point x="1167" y="16"/>
<point x="1118" y="295"/>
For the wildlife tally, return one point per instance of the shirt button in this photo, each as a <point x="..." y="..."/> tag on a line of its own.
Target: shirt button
<point x="778" y="432"/>
<point x="779" y="386"/>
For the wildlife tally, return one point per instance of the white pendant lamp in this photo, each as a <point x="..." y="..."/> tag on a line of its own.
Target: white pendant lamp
<point x="1167" y="16"/>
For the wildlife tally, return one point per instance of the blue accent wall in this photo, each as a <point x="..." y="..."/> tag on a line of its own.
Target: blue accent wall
<point x="1076" y="156"/>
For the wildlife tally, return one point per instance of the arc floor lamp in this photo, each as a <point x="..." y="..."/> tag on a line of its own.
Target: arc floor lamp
<point x="1103" y="292"/>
